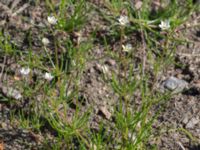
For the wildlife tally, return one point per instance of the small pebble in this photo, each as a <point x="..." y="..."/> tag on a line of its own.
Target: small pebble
<point x="174" y="84"/>
<point x="11" y="92"/>
<point x="192" y="123"/>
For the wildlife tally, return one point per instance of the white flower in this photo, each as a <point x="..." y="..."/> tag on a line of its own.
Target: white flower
<point x="45" y="41"/>
<point x="123" y="20"/>
<point x="164" y="25"/>
<point x="18" y="95"/>
<point x="25" y="71"/>
<point x="52" y="20"/>
<point x="48" y="76"/>
<point x="127" y="47"/>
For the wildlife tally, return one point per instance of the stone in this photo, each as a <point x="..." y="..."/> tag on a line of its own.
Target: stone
<point x="174" y="85"/>
<point x="192" y="123"/>
<point x="11" y="92"/>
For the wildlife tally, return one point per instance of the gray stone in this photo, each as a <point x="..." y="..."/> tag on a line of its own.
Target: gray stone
<point x="192" y="123"/>
<point x="174" y="85"/>
<point x="11" y="92"/>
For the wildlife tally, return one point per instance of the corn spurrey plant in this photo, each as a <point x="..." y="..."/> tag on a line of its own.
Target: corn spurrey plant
<point x="135" y="43"/>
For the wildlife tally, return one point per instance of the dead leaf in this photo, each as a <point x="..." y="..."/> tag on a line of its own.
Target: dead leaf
<point x="105" y="112"/>
<point x="36" y="137"/>
<point x="17" y="78"/>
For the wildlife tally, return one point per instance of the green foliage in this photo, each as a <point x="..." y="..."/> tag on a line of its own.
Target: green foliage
<point x="6" y="47"/>
<point x="77" y="17"/>
<point x="130" y="126"/>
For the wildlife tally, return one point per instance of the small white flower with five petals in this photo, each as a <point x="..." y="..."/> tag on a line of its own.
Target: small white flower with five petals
<point x="52" y="20"/>
<point x="25" y="71"/>
<point x="127" y="47"/>
<point x="164" y="25"/>
<point x="123" y="20"/>
<point x="48" y="76"/>
<point x="45" y="41"/>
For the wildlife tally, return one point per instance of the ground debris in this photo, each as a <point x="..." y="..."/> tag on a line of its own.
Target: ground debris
<point x="192" y="123"/>
<point x="11" y="92"/>
<point x="105" y="112"/>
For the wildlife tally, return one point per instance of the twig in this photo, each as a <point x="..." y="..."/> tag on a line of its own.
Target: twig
<point x="143" y="50"/>
<point x="2" y="68"/>
<point x="20" y="9"/>
<point x="4" y="7"/>
<point x="180" y="144"/>
<point x="15" y="3"/>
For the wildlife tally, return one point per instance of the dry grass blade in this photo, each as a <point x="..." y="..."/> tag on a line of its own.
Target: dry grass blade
<point x="15" y="3"/>
<point x="2" y="68"/>
<point x="6" y="9"/>
<point x="21" y="9"/>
